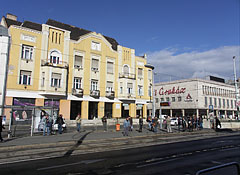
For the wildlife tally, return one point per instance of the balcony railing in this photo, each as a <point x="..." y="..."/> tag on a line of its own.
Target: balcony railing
<point x="61" y="64"/>
<point x="77" y="92"/>
<point x="95" y="93"/>
<point x="127" y="75"/>
<point x="110" y="94"/>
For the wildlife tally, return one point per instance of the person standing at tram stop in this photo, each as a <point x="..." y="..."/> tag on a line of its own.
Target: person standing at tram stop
<point x="78" y="122"/>
<point x="1" y="127"/>
<point x="60" y="122"/>
<point x="104" y="121"/>
<point x="126" y="126"/>
<point x="46" y="125"/>
<point x="140" y="123"/>
<point x="169" y="128"/>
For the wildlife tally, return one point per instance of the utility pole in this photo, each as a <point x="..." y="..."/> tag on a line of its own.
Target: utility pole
<point x="153" y="93"/>
<point x="235" y="83"/>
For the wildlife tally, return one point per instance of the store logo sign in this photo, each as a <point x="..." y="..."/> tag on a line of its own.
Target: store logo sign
<point x="188" y="98"/>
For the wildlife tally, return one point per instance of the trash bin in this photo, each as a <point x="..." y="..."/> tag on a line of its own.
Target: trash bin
<point x="117" y="127"/>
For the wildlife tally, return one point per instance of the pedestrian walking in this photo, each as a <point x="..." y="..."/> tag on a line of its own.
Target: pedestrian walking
<point x="104" y="121"/>
<point x="1" y="127"/>
<point x="126" y="126"/>
<point x="140" y="123"/>
<point x="78" y="122"/>
<point x="60" y="122"/>
<point x="168" y="120"/>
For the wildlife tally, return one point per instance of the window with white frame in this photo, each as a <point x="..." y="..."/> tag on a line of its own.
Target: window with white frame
<point x="140" y="72"/>
<point x="56" y="80"/>
<point x="167" y="99"/>
<point x="110" y="67"/>
<point x="224" y="103"/>
<point x="25" y="77"/>
<point x="150" y="91"/>
<point x="125" y="70"/>
<point x="78" y="61"/>
<point x="94" y="85"/>
<point x="55" y="57"/>
<point x="129" y="88"/>
<point x="77" y="83"/>
<point x="27" y="52"/>
<point x="95" y="63"/>
<point x="140" y="90"/>
<point x="149" y="74"/>
<point x="96" y="46"/>
<point x="121" y="88"/>
<point x="43" y="79"/>
<point x="173" y="99"/>
<point x="109" y="86"/>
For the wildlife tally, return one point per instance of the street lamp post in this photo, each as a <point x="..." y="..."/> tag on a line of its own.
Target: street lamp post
<point x="153" y="94"/>
<point x="235" y="83"/>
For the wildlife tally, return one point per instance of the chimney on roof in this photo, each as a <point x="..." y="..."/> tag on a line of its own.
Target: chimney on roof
<point x="12" y="17"/>
<point x="145" y="56"/>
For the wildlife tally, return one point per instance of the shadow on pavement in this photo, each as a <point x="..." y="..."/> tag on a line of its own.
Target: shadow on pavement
<point x="224" y="130"/>
<point x="79" y="142"/>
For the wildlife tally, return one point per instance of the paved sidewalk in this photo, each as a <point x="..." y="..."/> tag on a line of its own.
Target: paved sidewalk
<point x="89" y="134"/>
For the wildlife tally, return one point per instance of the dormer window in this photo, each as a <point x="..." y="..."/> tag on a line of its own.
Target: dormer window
<point x="96" y="46"/>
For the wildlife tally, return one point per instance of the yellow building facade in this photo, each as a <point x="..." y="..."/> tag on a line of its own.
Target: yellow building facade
<point x="74" y="71"/>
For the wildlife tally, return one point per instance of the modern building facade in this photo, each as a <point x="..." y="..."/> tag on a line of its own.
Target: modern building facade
<point x="196" y="97"/>
<point x="75" y="71"/>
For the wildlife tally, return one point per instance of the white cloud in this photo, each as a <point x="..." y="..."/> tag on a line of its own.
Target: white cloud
<point x="217" y="62"/>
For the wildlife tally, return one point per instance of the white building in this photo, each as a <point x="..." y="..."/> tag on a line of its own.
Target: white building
<point x="195" y="97"/>
<point x="4" y="47"/>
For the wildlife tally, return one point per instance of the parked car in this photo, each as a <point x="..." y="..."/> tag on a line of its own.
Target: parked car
<point x="174" y="121"/>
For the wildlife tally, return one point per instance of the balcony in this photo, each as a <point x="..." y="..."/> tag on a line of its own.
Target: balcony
<point x="61" y="64"/>
<point x="77" y="92"/>
<point x="95" y="93"/>
<point x="127" y="75"/>
<point x="110" y="94"/>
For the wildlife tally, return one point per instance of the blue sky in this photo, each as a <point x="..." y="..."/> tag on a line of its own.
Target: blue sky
<point x="173" y="33"/>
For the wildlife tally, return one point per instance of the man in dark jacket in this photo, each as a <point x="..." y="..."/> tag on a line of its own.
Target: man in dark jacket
<point x="60" y="122"/>
<point x="1" y="127"/>
<point x="140" y="123"/>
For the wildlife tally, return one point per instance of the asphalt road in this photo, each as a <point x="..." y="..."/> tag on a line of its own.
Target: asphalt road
<point x="181" y="158"/>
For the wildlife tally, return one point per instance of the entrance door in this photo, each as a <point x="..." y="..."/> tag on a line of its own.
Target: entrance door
<point x="93" y="110"/>
<point x="108" y="110"/>
<point x="125" y="110"/>
<point x="75" y="109"/>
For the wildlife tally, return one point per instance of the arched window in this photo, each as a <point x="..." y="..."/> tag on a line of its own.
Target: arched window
<point x="55" y="57"/>
<point x="125" y="70"/>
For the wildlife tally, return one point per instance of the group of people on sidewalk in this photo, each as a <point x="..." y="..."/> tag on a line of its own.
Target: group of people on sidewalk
<point x="48" y="124"/>
<point x="182" y="123"/>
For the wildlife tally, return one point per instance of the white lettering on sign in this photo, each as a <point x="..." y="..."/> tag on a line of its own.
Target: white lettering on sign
<point x="28" y="38"/>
